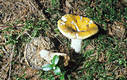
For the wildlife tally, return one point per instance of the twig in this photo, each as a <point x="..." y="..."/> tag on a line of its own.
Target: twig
<point x="10" y="66"/>
<point x="5" y="51"/>
<point x="2" y="27"/>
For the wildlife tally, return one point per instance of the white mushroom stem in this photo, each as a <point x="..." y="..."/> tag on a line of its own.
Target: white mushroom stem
<point x="76" y="44"/>
<point x="48" y="56"/>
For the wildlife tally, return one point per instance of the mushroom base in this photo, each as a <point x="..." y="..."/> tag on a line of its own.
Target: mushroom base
<point x="76" y="44"/>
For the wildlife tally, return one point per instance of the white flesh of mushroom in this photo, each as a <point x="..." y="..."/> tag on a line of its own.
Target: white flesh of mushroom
<point x="48" y="56"/>
<point x="81" y="18"/>
<point x="90" y="22"/>
<point x="64" y="19"/>
<point x="75" y="26"/>
<point x="45" y="54"/>
<point x="76" y="44"/>
<point x="62" y="23"/>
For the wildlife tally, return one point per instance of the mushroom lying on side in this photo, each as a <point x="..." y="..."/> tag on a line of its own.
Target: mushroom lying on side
<point x="76" y="28"/>
<point x="38" y="52"/>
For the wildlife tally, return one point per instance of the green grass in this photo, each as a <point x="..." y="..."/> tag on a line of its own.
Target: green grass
<point x="107" y="54"/>
<point x="104" y="11"/>
<point x="103" y="62"/>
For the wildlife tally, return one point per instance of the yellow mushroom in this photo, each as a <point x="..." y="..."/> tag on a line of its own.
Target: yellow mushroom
<point x="76" y="28"/>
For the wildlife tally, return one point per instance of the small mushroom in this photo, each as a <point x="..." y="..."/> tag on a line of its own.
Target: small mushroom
<point x="48" y="55"/>
<point x="76" y="28"/>
<point x="38" y="52"/>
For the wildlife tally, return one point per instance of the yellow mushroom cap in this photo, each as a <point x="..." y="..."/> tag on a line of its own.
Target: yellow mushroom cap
<point x="77" y="27"/>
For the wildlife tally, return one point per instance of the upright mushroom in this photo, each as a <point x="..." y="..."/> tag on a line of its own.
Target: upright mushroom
<point x="76" y="28"/>
<point x="38" y="52"/>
